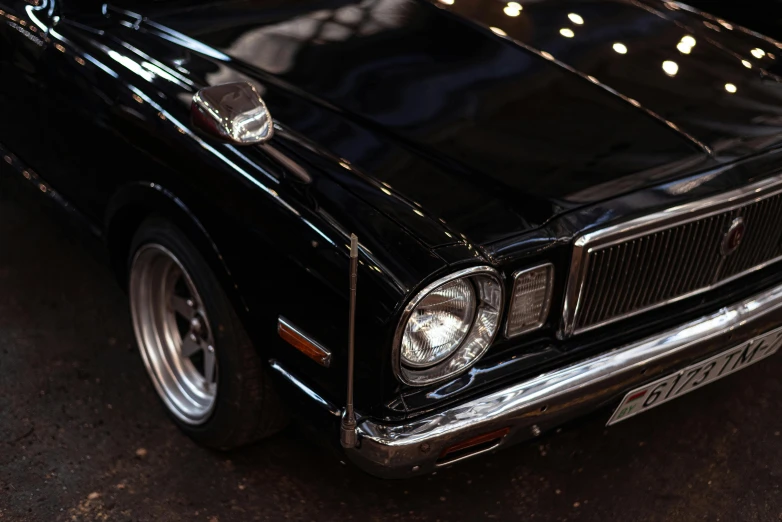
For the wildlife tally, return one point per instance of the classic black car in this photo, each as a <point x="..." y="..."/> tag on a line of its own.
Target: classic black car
<point x="550" y="206"/>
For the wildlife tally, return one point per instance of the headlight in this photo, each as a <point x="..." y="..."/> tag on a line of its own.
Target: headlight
<point x="439" y="324"/>
<point x="448" y="326"/>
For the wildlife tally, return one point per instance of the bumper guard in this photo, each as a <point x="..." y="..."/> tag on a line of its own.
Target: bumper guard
<point x="528" y="408"/>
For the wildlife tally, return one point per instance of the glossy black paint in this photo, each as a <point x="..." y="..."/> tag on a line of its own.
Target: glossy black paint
<point x="440" y="141"/>
<point x="490" y="117"/>
<point x="763" y="16"/>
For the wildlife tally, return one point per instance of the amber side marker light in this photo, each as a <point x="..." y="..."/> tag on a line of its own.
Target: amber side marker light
<point x="472" y="446"/>
<point x="301" y="342"/>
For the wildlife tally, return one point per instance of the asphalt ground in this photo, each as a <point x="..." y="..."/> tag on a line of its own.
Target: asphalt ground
<point x="83" y="437"/>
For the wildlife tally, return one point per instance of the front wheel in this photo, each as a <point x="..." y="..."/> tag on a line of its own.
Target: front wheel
<point x="201" y="362"/>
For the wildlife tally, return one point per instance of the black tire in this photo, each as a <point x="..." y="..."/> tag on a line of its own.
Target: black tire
<point x="246" y="408"/>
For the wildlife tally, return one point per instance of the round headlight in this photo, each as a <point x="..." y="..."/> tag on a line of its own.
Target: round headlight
<point x="438" y="324"/>
<point x="448" y="326"/>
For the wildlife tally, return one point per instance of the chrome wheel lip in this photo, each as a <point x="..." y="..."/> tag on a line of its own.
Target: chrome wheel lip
<point x="184" y="389"/>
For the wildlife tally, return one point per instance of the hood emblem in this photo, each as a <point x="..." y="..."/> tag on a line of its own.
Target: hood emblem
<point x="733" y="237"/>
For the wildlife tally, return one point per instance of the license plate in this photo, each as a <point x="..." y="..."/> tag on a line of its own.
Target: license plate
<point x="696" y="376"/>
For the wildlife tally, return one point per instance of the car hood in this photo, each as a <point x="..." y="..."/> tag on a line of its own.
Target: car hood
<point x="490" y="119"/>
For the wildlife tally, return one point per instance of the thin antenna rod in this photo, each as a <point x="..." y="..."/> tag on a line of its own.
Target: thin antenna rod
<point x="348" y="436"/>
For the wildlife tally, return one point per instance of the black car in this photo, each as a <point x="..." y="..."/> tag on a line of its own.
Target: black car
<point x="549" y="206"/>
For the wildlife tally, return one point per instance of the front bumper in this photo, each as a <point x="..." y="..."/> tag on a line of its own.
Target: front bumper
<point x="528" y="408"/>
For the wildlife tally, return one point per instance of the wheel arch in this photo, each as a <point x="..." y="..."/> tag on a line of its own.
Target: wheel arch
<point x="134" y="203"/>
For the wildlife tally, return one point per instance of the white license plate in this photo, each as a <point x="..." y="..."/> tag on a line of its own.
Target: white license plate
<point x="697" y="376"/>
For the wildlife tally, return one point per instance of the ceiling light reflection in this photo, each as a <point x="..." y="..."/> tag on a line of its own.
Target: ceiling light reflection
<point x="670" y="67"/>
<point x="683" y="48"/>
<point x="758" y="53"/>
<point x="711" y="26"/>
<point x="512" y="9"/>
<point x="567" y="33"/>
<point x="576" y="18"/>
<point x="497" y="30"/>
<point x="688" y="41"/>
<point x="620" y="48"/>
<point x="746" y="64"/>
<point x="730" y="88"/>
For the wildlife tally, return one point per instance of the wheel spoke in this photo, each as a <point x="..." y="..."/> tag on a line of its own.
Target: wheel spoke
<point x="183" y="307"/>
<point x="174" y="333"/>
<point x="190" y="346"/>
<point x="209" y="366"/>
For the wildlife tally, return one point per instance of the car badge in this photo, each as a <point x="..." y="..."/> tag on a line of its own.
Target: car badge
<point x="733" y="237"/>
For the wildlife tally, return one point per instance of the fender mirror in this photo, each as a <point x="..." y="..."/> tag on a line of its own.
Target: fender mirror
<point x="232" y="112"/>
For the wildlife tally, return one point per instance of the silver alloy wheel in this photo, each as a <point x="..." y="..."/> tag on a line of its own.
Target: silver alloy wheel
<point x="173" y="333"/>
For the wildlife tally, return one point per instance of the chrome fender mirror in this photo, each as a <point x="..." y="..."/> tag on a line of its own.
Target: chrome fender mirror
<point x="232" y="112"/>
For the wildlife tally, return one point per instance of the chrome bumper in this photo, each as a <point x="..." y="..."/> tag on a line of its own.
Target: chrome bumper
<point x="543" y="402"/>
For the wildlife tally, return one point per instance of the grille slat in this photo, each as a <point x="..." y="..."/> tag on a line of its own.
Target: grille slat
<point x="627" y="289"/>
<point x="659" y="282"/>
<point x="712" y="239"/>
<point x="599" y="283"/>
<point x="596" y="268"/>
<point x="669" y="260"/>
<point x="680" y="280"/>
<point x="701" y="264"/>
<point x="661" y="241"/>
<point x="647" y="271"/>
<point x="777" y="235"/>
<point x="626" y="259"/>
<point x="753" y="243"/>
<point x="697" y="239"/>
<point x="620" y="262"/>
<point x="770" y="233"/>
<point x="756" y="238"/>
<point x="775" y="231"/>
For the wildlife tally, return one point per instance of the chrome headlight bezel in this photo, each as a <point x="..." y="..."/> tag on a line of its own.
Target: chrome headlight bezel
<point x="490" y="299"/>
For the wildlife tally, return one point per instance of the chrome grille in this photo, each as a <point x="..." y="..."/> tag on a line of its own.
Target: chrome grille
<point x="665" y="257"/>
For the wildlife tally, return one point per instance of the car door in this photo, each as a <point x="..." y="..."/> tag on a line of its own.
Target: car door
<point x="77" y="96"/>
<point x="87" y="126"/>
<point x="52" y="98"/>
<point x="22" y="44"/>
